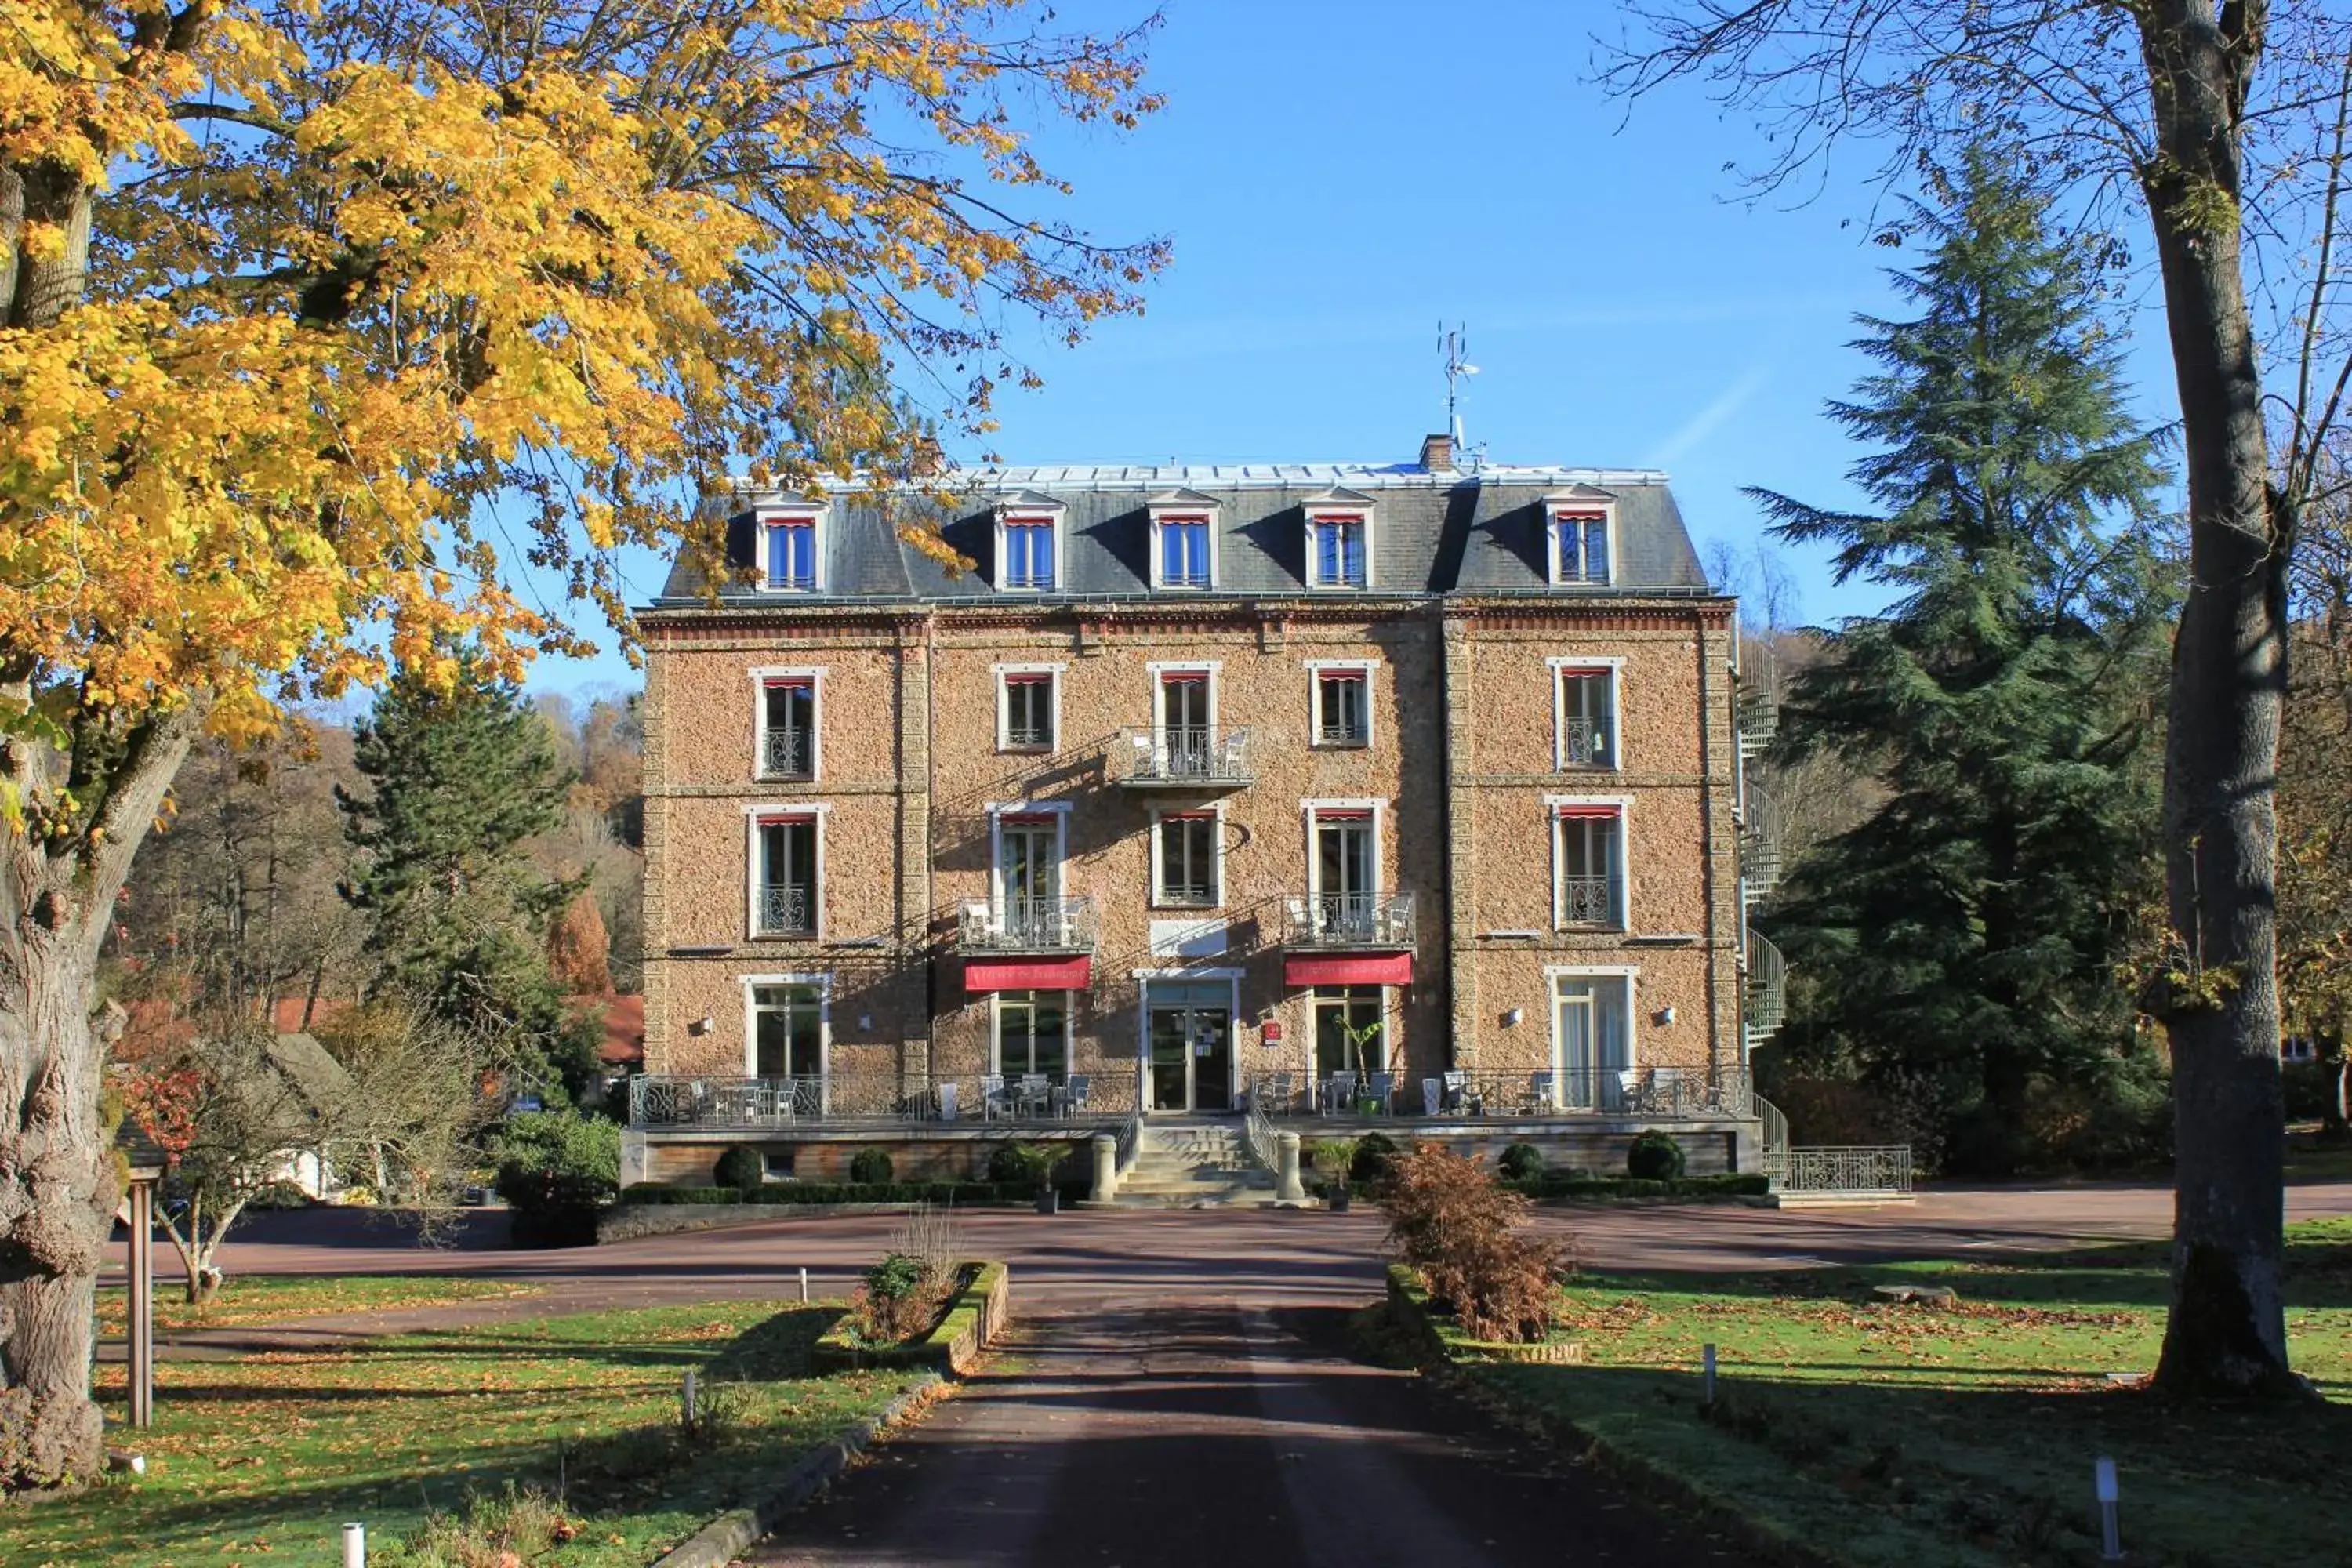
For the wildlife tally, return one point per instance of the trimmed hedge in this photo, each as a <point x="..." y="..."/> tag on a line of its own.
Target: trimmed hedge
<point x="792" y="1193"/>
<point x="1570" y="1187"/>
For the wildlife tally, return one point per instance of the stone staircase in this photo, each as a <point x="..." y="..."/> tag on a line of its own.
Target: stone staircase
<point x="1193" y="1165"/>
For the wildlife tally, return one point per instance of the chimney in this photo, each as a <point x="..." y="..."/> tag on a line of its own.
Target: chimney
<point x="1437" y="454"/>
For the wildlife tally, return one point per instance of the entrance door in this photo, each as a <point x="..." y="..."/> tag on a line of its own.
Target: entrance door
<point x="1188" y="1046"/>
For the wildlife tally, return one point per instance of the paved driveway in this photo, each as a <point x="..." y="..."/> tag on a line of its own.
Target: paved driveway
<point x="1199" y="1437"/>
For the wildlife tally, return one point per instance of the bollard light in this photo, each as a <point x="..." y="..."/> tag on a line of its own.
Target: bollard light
<point x="2103" y="1483"/>
<point x="685" y="1398"/>
<point x="804" y="1282"/>
<point x="355" y="1546"/>
<point x="1706" y="1374"/>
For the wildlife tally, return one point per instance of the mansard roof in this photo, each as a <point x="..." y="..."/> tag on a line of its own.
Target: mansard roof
<point x="1442" y="532"/>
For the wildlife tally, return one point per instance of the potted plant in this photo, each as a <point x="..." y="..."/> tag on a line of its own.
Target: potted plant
<point x="1333" y="1156"/>
<point x="1036" y="1164"/>
<point x="1359" y="1043"/>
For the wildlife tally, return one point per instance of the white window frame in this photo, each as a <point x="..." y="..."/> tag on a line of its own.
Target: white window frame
<point x="1378" y="807"/>
<point x="1624" y="806"/>
<point x="1558" y="512"/>
<point x="1054" y="514"/>
<point x="1159" y="668"/>
<point x="1059" y="810"/>
<point x="1004" y="704"/>
<point x="823" y="981"/>
<point x="1316" y="669"/>
<point x="763" y="517"/>
<point x="1216" y="813"/>
<point x="1562" y="666"/>
<point x="996" y="1031"/>
<point x="1176" y="511"/>
<point x="1388" y="1018"/>
<point x="1629" y="973"/>
<point x="1361" y="515"/>
<point x="819" y="810"/>
<point x="762" y="674"/>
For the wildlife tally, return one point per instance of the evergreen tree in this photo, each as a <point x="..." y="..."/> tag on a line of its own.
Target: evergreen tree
<point x="462" y="777"/>
<point x="1964" y="937"/>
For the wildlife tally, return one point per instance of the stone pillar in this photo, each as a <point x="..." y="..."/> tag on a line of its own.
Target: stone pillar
<point x="1107" y="1168"/>
<point x="1286" y="1189"/>
<point x="1461" y="848"/>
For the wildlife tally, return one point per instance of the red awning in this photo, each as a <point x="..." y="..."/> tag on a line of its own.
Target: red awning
<point x="1300" y="970"/>
<point x="1028" y="974"/>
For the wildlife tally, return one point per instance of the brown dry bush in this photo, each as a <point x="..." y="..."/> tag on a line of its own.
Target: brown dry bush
<point x="1464" y="1231"/>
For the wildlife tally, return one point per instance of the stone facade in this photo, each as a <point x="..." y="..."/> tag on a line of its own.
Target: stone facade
<point x="1471" y="777"/>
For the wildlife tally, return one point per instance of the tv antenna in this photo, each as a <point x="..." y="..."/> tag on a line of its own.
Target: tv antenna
<point x="1453" y="347"/>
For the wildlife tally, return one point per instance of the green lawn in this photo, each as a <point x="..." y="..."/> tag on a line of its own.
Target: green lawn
<point x="269" y="1299"/>
<point x="260" y="1460"/>
<point x="1925" y="1435"/>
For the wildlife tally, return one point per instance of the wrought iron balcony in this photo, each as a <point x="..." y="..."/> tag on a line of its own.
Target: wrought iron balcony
<point x="729" y="1102"/>
<point x="1025" y="925"/>
<point x="1589" y="901"/>
<point x="1767" y="990"/>
<point x="1182" y="758"/>
<point x="784" y="910"/>
<point x="1342" y="921"/>
<point x="1656" y="1091"/>
<point x="788" y="755"/>
<point x="1587" y="744"/>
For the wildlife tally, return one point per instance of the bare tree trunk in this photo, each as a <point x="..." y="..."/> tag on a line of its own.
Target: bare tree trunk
<point x="2227" y="1330"/>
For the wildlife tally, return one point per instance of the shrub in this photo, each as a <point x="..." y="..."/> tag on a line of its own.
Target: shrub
<point x="1521" y="1163"/>
<point x="741" y="1166"/>
<point x="556" y="1168"/>
<point x="1030" y="1165"/>
<point x="1655" y="1156"/>
<point x="519" y="1526"/>
<point x="870" y="1167"/>
<point x="1375" y="1152"/>
<point x="1463" y="1230"/>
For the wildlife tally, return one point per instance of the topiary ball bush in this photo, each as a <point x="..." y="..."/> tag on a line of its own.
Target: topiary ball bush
<point x="1654" y="1157"/>
<point x="742" y="1167"/>
<point x="1374" y="1155"/>
<point x="1005" y="1167"/>
<point x="1522" y="1163"/>
<point x="870" y="1167"/>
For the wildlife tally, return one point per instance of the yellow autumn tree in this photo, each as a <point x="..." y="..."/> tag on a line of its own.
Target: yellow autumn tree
<point x="320" y="321"/>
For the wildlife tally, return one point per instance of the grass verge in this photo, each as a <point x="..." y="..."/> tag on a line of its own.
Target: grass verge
<point x="1960" y="1436"/>
<point x="269" y="1299"/>
<point x="260" y="1459"/>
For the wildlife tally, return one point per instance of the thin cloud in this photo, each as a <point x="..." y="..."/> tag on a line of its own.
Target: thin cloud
<point x="1703" y="424"/>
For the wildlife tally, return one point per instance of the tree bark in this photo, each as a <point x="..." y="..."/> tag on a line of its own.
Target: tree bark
<point x="2226" y="1331"/>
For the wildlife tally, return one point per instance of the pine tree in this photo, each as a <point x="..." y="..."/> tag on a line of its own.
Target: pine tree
<point x="464" y="777"/>
<point x="1966" y="936"/>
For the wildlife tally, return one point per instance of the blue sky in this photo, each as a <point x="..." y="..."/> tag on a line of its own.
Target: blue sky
<point x="1338" y="175"/>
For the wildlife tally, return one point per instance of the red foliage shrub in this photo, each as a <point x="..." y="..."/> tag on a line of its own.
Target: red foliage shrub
<point x="1453" y="1221"/>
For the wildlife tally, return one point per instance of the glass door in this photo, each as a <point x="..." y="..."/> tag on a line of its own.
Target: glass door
<point x="1184" y="739"/>
<point x="1029" y="872"/>
<point x="788" y="1048"/>
<point x="1343" y="874"/>
<point x="1189" y="1047"/>
<point x="1591" y="1040"/>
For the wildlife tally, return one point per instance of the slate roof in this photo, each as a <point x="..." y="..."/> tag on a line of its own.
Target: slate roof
<point x="1439" y="534"/>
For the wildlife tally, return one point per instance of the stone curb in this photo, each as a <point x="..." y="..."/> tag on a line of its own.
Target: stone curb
<point x="725" y="1537"/>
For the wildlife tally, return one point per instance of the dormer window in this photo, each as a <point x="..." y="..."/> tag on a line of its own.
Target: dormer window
<point x="1183" y="541"/>
<point x="788" y="558"/>
<point x="1339" y="539"/>
<point x="1580" y="555"/>
<point x="1029" y="545"/>
<point x="1336" y="554"/>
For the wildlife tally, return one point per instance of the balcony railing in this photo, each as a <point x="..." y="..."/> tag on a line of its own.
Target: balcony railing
<point x="788" y="755"/>
<point x="1587" y="744"/>
<point x="1026" y="925"/>
<point x="1352" y="921"/>
<point x="1185" y="758"/>
<point x="784" y="910"/>
<point x="722" y="1102"/>
<point x="1862" y="1171"/>
<point x="1662" y="1091"/>
<point x="1588" y="901"/>
<point x="1767" y="991"/>
<point x="1759" y="839"/>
